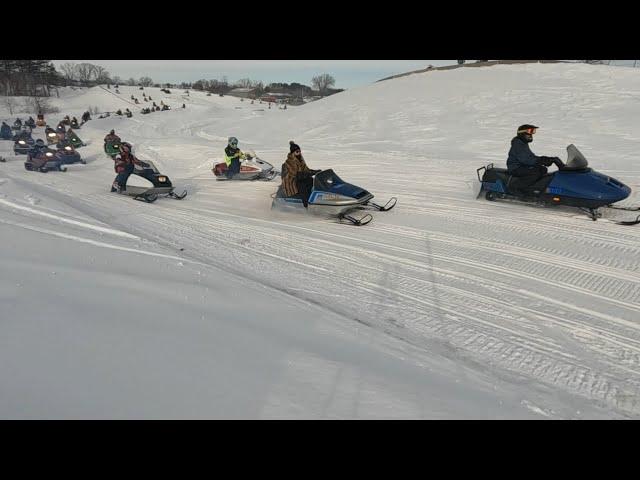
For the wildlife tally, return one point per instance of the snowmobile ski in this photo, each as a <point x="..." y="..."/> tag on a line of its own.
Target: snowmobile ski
<point x="383" y="208"/>
<point x="365" y="219"/>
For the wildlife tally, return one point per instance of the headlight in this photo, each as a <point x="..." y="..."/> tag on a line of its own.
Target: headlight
<point x="51" y="134"/>
<point x="21" y="142"/>
<point x="49" y="154"/>
<point x="67" y="148"/>
<point x="162" y="179"/>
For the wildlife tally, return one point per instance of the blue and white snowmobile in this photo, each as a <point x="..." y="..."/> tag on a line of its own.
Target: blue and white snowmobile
<point x="333" y="197"/>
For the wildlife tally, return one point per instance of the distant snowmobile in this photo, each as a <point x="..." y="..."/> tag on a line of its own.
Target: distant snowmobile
<point x="23" y="145"/>
<point x="574" y="184"/>
<point x="43" y="161"/>
<point x="71" y="139"/>
<point x="333" y="197"/>
<point x="68" y="155"/>
<point x="112" y="149"/>
<point x="24" y="132"/>
<point x="252" y="168"/>
<point x="52" y="136"/>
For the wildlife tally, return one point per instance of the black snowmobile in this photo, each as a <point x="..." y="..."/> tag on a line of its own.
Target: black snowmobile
<point x="23" y="145"/>
<point x="160" y="184"/>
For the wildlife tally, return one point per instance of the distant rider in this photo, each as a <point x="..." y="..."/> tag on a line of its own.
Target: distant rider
<point x="37" y="147"/>
<point x="112" y="137"/>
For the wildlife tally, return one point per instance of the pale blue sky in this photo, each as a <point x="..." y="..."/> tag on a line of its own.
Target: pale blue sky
<point x="348" y="73"/>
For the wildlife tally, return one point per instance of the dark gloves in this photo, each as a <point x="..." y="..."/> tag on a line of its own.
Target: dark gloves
<point x="558" y="163"/>
<point x="307" y="174"/>
<point x="546" y="161"/>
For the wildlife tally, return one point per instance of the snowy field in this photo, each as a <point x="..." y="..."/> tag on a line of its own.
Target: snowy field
<point x="215" y="306"/>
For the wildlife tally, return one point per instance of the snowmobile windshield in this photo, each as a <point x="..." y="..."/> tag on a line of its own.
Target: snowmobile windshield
<point x="575" y="159"/>
<point x="326" y="179"/>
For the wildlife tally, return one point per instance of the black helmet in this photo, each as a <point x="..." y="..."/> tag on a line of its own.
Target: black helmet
<point x="526" y="132"/>
<point x="126" y="147"/>
<point x="112" y="132"/>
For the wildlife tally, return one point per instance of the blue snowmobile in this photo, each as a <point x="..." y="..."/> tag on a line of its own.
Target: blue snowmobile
<point x="332" y="196"/>
<point x="574" y="184"/>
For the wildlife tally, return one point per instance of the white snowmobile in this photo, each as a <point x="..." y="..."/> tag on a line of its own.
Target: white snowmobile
<point x="251" y="168"/>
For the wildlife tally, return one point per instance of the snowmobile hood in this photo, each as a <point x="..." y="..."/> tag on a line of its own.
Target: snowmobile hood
<point x="328" y="181"/>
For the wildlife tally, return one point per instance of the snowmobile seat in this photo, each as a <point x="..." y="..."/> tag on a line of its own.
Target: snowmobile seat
<point x="493" y="174"/>
<point x="220" y="169"/>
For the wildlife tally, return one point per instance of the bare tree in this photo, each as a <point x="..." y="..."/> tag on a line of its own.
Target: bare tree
<point x="322" y="82"/>
<point x="132" y="82"/>
<point x="69" y="71"/>
<point x="85" y="72"/>
<point x="11" y="103"/>
<point x="40" y="105"/>
<point x="145" y="82"/>
<point x="101" y="74"/>
<point x="245" y="83"/>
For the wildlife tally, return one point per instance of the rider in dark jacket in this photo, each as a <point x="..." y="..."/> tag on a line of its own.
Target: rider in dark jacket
<point x="523" y="163"/>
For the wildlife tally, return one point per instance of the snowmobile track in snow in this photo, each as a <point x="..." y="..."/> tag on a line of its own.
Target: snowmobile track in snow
<point x="412" y="284"/>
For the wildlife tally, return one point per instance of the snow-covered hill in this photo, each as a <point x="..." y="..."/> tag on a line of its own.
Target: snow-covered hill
<point x="215" y="306"/>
